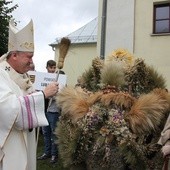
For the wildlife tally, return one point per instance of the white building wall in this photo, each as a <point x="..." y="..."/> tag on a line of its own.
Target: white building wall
<point x="129" y="25"/>
<point x="119" y="25"/>
<point x="154" y="49"/>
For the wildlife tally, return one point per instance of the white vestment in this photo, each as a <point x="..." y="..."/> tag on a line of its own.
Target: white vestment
<point x="19" y="112"/>
<point x="165" y="134"/>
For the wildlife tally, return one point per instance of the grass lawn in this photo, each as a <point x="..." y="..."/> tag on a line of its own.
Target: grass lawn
<point x="45" y="164"/>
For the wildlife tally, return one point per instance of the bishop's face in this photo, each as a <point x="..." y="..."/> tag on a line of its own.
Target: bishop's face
<point x="21" y="61"/>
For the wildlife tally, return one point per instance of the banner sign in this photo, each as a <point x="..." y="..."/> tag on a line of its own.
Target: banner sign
<point x="40" y="79"/>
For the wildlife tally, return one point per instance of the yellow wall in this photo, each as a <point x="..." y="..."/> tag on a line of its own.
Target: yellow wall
<point x="78" y="59"/>
<point x="134" y="33"/>
<point x="155" y="49"/>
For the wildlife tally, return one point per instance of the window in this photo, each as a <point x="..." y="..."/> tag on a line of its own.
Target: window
<point x="161" y="18"/>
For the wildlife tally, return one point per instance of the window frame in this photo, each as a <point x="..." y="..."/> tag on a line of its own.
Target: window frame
<point x="155" y="20"/>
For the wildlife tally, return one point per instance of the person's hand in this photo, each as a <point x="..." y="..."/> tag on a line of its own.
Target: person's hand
<point x="166" y="150"/>
<point x="51" y="90"/>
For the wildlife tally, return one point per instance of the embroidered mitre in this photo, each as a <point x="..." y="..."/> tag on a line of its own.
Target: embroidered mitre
<point x="21" y="40"/>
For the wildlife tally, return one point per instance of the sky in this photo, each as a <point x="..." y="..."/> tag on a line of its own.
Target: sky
<point x="52" y="19"/>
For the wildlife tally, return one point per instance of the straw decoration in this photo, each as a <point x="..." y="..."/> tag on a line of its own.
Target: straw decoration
<point x="63" y="49"/>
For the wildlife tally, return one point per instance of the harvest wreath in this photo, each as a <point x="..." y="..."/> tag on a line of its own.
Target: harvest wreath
<point x="113" y="118"/>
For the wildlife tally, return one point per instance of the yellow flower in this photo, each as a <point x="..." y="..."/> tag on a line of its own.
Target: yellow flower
<point x="120" y="55"/>
<point x="104" y="131"/>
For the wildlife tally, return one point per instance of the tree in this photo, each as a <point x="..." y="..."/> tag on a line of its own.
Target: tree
<point x="5" y="17"/>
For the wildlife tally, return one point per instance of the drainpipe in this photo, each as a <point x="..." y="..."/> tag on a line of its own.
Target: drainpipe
<point x="103" y="30"/>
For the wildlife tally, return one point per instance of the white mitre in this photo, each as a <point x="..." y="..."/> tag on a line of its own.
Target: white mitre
<point x="21" y="40"/>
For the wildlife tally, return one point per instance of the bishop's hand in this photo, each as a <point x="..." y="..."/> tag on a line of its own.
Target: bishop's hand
<point x="51" y="90"/>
